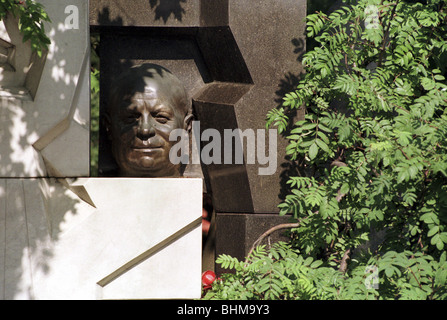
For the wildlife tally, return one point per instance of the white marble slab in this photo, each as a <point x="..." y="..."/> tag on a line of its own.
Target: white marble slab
<point x="46" y="133"/>
<point x="134" y="238"/>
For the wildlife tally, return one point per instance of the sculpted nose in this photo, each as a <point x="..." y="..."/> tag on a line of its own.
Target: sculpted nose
<point x="145" y="129"/>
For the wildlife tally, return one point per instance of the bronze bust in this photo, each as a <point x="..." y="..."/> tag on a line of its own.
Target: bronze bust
<point x="146" y="103"/>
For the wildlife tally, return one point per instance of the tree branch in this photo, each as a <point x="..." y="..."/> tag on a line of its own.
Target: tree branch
<point x="385" y="34"/>
<point x="344" y="261"/>
<point x="269" y="232"/>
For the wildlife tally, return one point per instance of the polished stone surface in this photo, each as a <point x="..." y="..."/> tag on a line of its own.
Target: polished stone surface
<point x="172" y="13"/>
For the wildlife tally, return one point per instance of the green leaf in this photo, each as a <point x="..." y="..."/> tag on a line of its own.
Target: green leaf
<point x="308" y="126"/>
<point x="324" y="128"/>
<point x="433" y="231"/>
<point x="313" y="151"/>
<point x="323" y="137"/>
<point x="436" y="239"/>
<point x="316" y="264"/>
<point x="308" y="261"/>
<point x="428" y="217"/>
<point x="94" y="83"/>
<point x="322" y="145"/>
<point x="389" y="271"/>
<point x="344" y="188"/>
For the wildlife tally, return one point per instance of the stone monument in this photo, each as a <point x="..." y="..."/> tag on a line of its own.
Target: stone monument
<point x="236" y="59"/>
<point x="65" y="235"/>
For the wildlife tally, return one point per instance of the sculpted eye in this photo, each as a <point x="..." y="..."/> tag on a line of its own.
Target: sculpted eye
<point x="162" y="118"/>
<point x="129" y="118"/>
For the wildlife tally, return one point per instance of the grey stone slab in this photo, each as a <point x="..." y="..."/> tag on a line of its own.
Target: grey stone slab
<point x="264" y="31"/>
<point x="267" y="39"/>
<point x="171" y="13"/>
<point x="145" y="12"/>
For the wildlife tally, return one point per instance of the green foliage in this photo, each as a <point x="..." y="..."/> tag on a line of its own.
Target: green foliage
<point x="374" y="136"/>
<point x="279" y="273"/>
<point x="94" y="103"/>
<point x="31" y="16"/>
<point x="372" y="158"/>
<point x="282" y="273"/>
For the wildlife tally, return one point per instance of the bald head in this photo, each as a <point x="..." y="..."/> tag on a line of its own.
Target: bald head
<point x="146" y="104"/>
<point x="150" y="79"/>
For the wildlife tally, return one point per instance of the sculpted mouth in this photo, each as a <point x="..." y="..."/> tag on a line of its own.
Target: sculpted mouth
<point x="146" y="148"/>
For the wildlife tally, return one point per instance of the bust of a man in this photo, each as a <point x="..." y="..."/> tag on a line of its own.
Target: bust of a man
<point x="147" y="102"/>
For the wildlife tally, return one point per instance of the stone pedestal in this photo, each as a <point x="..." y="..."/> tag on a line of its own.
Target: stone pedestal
<point x="100" y="238"/>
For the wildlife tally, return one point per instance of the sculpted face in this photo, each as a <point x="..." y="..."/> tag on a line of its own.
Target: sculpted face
<point x="148" y="105"/>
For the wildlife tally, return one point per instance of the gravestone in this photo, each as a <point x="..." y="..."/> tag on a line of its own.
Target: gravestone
<point x="63" y="234"/>
<point x="236" y="58"/>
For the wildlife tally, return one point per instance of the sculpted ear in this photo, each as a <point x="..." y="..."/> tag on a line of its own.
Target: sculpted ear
<point x="187" y="122"/>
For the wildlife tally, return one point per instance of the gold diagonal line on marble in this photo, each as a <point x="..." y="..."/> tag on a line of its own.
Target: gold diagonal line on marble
<point x="147" y="254"/>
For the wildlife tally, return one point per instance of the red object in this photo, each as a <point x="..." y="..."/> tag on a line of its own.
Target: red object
<point x="205" y="223"/>
<point x="208" y="278"/>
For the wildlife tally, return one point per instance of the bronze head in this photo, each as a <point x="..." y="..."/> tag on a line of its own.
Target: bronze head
<point x="147" y="102"/>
